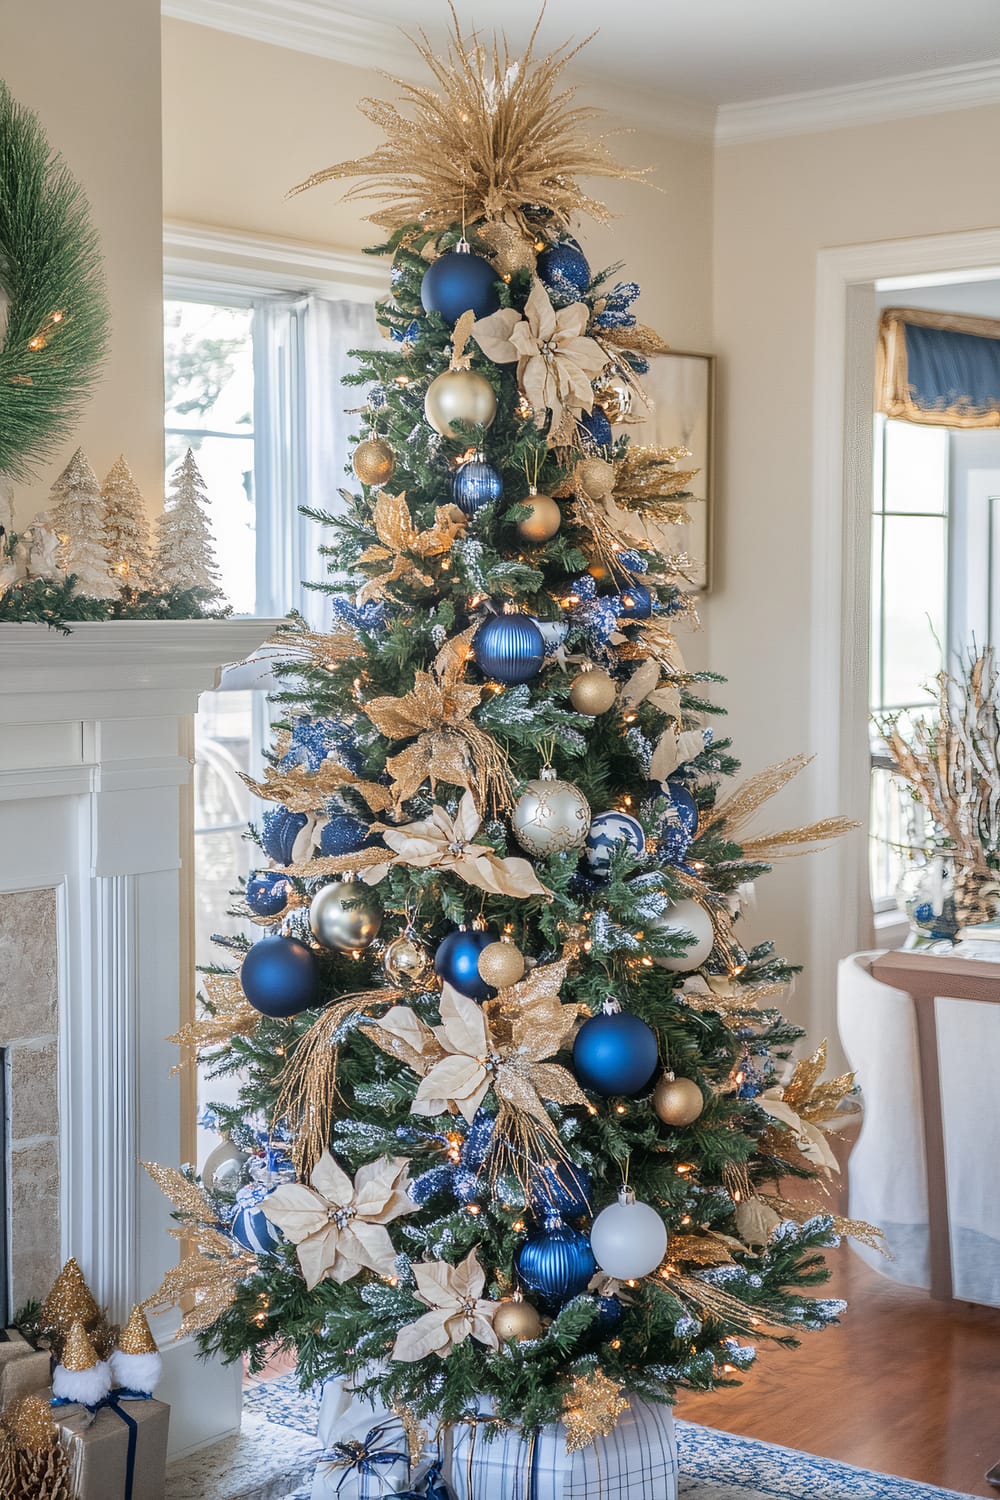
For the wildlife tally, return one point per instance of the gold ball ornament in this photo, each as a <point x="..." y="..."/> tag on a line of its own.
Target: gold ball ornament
<point x="596" y="476"/>
<point x="374" y="461"/>
<point x="678" y="1101"/>
<point x="592" y="692"/>
<point x="543" y="522"/>
<point x="406" y="961"/>
<point x="517" y="1319"/>
<point x="459" y="396"/>
<point x="501" y="964"/>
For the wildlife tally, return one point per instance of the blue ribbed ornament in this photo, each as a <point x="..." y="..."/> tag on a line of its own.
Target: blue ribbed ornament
<point x="475" y="484"/>
<point x="636" y="602"/>
<point x="595" y="431"/>
<point x="556" y="1263"/>
<point x="458" y="282"/>
<point x="279" y="977"/>
<point x="562" y="1188"/>
<point x="250" y="1227"/>
<point x="279" y="832"/>
<point x="610" y="831"/>
<point x="344" y="834"/>
<point x="267" y="893"/>
<point x="457" y="960"/>
<point x="509" y="648"/>
<point x="615" y="1053"/>
<point x="564" y="273"/>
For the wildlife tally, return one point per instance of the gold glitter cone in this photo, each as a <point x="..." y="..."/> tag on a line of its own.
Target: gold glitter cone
<point x="29" y="1422"/>
<point x="79" y="1353"/>
<point x="70" y="1301"/>
<point x="137" y="1336"/>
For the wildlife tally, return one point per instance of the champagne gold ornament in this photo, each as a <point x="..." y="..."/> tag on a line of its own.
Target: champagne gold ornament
<point x="596" y="477"/>
<point x="374" y="461"/>
<point x="346" y="916"/>
<point x="516" y="1319"/>
<point x="406" y="961"/>
<point x="677" y="1101"/>
<point x="543" y="522"/>
<point x="501" y="964"/>
<point x="615" y="400"/>
<point x="459" y="396"/>
<point x="592" y="691"/>
<point x="551" y="816"/>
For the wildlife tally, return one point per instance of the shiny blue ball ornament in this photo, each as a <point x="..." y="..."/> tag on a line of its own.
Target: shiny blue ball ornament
<point x="344" y="834"/>
<point x="279" y="977"/>
<point x="564" y="273"/>
<point x="250" y="1227"/>
<point x="278" y="833"/>
<point x="458" y="282"/>
<point x="595" y="431"/>
<point x="456" y="961"/>
<point x="636" y="602"/>
<point x="562" y="1188"/>
<point x="509" y="648"/>
<point x="267" y="893"/>
<point x="475" y="484"/>
<point x="615" y="1053"/>
<point x="556" y="1263"/>
<point x="610" y="831"/>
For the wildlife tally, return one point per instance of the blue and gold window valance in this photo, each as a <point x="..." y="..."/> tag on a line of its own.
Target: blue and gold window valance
<point x="941" y="369"/>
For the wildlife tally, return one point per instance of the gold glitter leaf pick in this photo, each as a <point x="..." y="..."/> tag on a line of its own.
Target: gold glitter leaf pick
<point x="591" y="1408"/>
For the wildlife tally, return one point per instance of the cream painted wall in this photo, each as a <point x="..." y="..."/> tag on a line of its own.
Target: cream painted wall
<point x="777" y="204"/>
<point x="92" y="73"/>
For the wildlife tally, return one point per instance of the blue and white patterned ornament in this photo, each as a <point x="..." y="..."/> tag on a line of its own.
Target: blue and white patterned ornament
<point x="369" y="617"/>
<point x="564" y="273"/>
<point x="610" y="831"/>
<point x="459" y="282"/>
<point x="344" y="833"/>
<point x="636" y="602"/>
<point x="595" y="431"/>
<point x="267" y="893"/>
<point x="509" y="648"/>
<point x="278" y="833"/>
<point x="475" y="484"/>
<point x="556" y="1262"/>
<point x="677" y="821"/>
<point x="250" y="1227"/>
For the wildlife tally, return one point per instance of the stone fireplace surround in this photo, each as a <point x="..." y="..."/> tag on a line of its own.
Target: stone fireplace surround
<point x="96" y="964"/>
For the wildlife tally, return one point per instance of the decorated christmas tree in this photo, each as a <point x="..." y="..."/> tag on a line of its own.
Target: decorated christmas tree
<point x="516" y="1111"/>
<point x="185" y="552"/>
<point x="126" y="529"/>
<point x="78" y="518"/>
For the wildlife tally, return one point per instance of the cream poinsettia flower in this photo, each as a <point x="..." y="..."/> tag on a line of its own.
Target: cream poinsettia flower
<point x="556" y="362"/>
<point x="442" y="842"/>
<point x="458" y="1310"/>
<point x="337" y="1225"/>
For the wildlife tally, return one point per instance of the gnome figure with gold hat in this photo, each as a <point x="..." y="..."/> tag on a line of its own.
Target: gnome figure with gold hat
<point x="136" y="1364"/>
<point x="80" y="1375"/>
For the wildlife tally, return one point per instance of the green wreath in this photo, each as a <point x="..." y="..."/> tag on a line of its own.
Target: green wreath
<point x="50" y="273"/>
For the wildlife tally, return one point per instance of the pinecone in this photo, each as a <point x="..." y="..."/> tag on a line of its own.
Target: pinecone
<point x="43" y="1476"/>
<point x="8" y="1466"/>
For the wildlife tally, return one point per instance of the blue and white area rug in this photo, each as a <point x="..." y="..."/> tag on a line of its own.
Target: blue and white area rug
<point x="713" y="1465"/>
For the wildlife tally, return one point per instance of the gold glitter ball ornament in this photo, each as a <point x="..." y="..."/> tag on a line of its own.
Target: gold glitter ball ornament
<point x="459" y="396"/>
<point x="596" y="477"/>
<point x="374" y="461"/>
<point x="501" y="964"/>
<point x="516" y="1319"/>
<point x="406" y="960"/>
<point x="69" y="1301"/>
<point x="592" y="692"/>
<point x="551" y="816"/>
<point x="678" y="1101"/>
<point x="137" y="1336"/>
<point x="544" y="520"/>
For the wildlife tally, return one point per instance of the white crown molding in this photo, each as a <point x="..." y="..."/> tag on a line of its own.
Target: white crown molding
<point x="259" y="261"/>
<point x="937" y="91"/>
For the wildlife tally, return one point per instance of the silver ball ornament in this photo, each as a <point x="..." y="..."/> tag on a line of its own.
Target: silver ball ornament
<point x="459" y="396"/>
<point x="628" y="1238"/>
<point x="345" y="916"/>
<point x="223" y="1169"/>
<point x="551" y="816"/>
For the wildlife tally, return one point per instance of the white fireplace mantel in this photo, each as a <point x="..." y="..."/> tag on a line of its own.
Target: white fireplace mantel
<point x="96" y="751"/>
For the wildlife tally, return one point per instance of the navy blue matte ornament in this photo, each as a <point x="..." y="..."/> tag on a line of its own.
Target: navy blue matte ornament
<point x="456" y="961"/>
<point x="615" y="1053"/>
<point x="475" y="484"/>
<point x="562" y="1188"/>
<point x="556" y="1263"/>
<point x="344" y="834"/>
<point x="458" y="282"/>
<point x="610" y="831"/>
<point x="564" y="273"/>
<point x="279" y="832"/>
<point x="279" y="977"/>
<point x="595" y="431"/>
<point x="267" y="893"/>
<point x="636" y="602"/>
<point x="509" y="648"/>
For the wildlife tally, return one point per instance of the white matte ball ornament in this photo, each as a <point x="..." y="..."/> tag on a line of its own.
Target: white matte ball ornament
<point x="629" y="1239"/>
<point x="688" y="919"/>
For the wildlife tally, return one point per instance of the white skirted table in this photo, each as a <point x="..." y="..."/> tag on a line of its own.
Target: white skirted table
<point x="923" y="1033"/>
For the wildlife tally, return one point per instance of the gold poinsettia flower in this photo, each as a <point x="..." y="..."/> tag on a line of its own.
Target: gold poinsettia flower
<point x="556" y="361"/>
<point x="458" y="1310"/>
<point x="443" y="842"/>
<point x="806" y="1106"/>
<point x="338" y="1226"/>
<point x="400" y="543"/>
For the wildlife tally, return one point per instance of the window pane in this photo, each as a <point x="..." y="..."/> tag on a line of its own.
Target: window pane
<point x="916" y="468"/>
<point x="208" y="367"/>
<point x="914" y="607"/>
<point x="226" y="465"/>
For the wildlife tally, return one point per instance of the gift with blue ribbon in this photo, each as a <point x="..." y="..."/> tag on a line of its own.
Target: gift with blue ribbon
<point x="370" y="1457"/>
<point x="117" y="1448"/>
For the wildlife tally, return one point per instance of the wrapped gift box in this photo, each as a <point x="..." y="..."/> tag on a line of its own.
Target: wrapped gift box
<point x="365" y="1454"/>
<point x="118" y="1454"/>
<point x="24" y="1371"/>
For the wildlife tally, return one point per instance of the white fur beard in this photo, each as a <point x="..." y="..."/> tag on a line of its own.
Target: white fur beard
<point x="86" y="1386"/>
<point x="136" y="1372"/>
